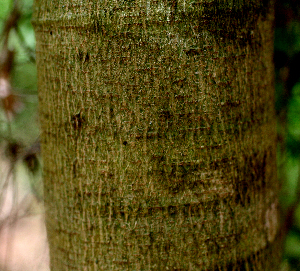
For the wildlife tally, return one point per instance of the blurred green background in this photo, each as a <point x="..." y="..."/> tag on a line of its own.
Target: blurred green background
<point x="19" y="118"/>
<point x="23" y="127"/>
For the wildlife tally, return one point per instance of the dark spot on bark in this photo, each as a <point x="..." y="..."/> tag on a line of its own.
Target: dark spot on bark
<point x="125" y="143"/>
<point x="151" y="238"/>
<point x="111" y="112"/>
<point x="87" y="57"/>
<point x="165" y="115"/>
<point x="172" y="210"/>
<point x="77" y="121"/>
<point x="192" y="52"/>
<point x="75" y="168"/>
<point x="83" y="57"/>
<point x="50" y="32"/>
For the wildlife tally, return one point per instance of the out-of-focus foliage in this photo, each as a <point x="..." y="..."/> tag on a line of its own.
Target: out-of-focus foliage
<point x="21" y="126"/>
<point x="287" y="64"/>
<point x="21" y="208"/>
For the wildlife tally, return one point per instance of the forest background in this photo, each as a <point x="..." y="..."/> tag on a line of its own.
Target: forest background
<point x="20" y="161"/>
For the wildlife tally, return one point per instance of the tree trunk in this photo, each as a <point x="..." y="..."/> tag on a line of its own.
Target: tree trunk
<point x="158" y="134"/>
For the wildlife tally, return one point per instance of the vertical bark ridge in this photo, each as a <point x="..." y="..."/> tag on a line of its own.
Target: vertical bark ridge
<point x="158" y="134"/>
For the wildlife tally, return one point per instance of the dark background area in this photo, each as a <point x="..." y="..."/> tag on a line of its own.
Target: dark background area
<point x="287" y="70"/>
<point x="19" y="129"/>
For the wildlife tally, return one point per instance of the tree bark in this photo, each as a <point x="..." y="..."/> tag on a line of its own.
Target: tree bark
<point x="158" y="134"/>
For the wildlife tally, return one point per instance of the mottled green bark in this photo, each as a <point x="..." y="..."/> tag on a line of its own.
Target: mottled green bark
<point x="158" y="134"/>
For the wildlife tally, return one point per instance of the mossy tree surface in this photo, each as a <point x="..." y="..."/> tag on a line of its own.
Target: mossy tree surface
<point x="158" y="134"/>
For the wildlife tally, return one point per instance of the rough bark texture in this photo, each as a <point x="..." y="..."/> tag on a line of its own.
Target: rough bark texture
<point x="158" y="134"/>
